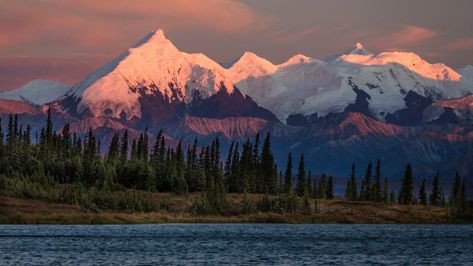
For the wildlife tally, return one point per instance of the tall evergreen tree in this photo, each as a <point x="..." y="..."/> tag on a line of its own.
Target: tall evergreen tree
<point x="134" y="151"/>
<point x="10" y="132"/>
<point x="145" y="151"/>
<point x="463" y="198"/>
<point x="309" y="184"/>
<point x="385" y="191"/>
<point x="228" y="162"/>
<point x="124" y="147"/>
<point x="268" y="184"/>
<point x="366" y="195"/>
<point x="114" y="149"/>
<point x="376" y="191"/>
<point x="456" y="188"/>
<point x="49" y="128"/>
<point x="435" y="195"/>
<point x="405" y="194"/>
<point x="329" y="192"/>
<point x="301" y="180"/>
<point x="422" y="194"/>
<point x="351" y="190"/>
<point x="322" y="189"/>
<point x="288" y="175"/>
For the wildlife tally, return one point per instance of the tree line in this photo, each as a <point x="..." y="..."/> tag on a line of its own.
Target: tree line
<point x="155" y="165"/>
<point x="375" y="190"/>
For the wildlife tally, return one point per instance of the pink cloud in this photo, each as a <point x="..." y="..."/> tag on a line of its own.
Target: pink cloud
<point x="219" y="15"/>
<point x="59" y="27"/>
<point x="406" y="37"/>
<point x="460" y="44"/>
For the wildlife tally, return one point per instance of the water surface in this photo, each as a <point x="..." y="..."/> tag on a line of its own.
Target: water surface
<point x="248" y="244"/>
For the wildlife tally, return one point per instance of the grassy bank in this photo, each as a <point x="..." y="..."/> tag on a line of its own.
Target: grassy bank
<point x="174" y="209"/>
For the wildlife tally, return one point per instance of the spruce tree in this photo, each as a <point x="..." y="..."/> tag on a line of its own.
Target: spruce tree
<point x="288" y="175"/>
<point x="247" y="180"/>
<point x="309" y="185"/>
<point x="114" y="149"/>
<point x="463" y="198"/>
<point x="10" y="133"/>
<point x="301" y="180"/>
<point x="322" y="189"/>
<point x="385" y="191"/>
<point x="228" y="162"/>
<point x="49" y="128"/>
<point x="352" y="191"/>
<point x="458" y="201"/>
<point x="348" y="190"/>
<point x="134" y="151"/>
<point x="145" y="151"/>
<point x="392" y="197"/>
<point x="237" y="181"/>
<point x="362" y="190"/>
<point x="405" y="193"/>
<point x="422" y="194"/>
<point x="376" y="191"/>
<point x="329" y="192"/>
<point x="435" y="196"/>
<point x="268" y="184"/>
<point x="314" y="188"/>
<point x="124" y="147"/>
<point x="366" y="195"/>
<point x="456" y="188"/>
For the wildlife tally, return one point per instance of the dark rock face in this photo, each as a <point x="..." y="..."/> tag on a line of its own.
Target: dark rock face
<point x="223" y="104"/>
<point x="157" y="110"/>
<point x="361" y="105"/>
<point x="412" y="114"/>
<point x="447" y="117"/>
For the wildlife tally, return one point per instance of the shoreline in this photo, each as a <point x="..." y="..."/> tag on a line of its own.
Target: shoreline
<point x="17" y="211"/>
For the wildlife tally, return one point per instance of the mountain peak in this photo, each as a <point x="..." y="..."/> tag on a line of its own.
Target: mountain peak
<point x="250" y="58"/>
<point x="251" y="64"/>
<point x="359" y="49"/>
<point x="296" y="59"/>
<point x="159" y="32"/>
<point x="155" y="39"/>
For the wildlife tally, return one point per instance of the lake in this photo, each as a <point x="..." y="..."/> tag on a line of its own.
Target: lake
<point x="248" y="244"/>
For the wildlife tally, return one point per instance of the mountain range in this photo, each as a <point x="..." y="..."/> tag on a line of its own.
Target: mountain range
<point x="353" y="107"/>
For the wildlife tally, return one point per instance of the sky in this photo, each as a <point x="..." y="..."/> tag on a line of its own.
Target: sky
<point x="65" y="40"/>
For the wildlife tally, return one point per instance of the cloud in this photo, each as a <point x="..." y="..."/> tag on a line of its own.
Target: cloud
<point x="460" y="44"/>
<point x="60" y="26"/>
<point x="219" y="15"/>
<point x="408" y="36"/>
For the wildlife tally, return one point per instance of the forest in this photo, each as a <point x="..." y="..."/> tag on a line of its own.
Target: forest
<point x="62" y="167"/>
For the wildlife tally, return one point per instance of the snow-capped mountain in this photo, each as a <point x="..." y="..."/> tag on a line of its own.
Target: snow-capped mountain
<point x="152" y="65"/>
<point x="299" y="86"/>
<point x="312" y="86"/>
<point x="37" y="92"/>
